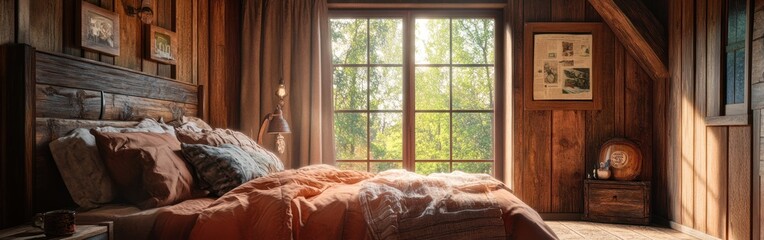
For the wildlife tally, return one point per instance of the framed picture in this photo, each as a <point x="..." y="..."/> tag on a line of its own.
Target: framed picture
<point x="562" y="66"/>
<point x="99" y="29"/>
<point x="163" y="45"/>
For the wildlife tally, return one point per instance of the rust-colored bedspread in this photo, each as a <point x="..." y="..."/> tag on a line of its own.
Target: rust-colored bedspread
<point x="321" y="202"/>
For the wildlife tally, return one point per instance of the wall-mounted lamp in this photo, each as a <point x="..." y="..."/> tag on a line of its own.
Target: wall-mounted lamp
<point x="275" y="122"/>
<point x="143" y="11"/>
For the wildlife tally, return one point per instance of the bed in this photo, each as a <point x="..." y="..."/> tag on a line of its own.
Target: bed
<point x="60" y="93"/>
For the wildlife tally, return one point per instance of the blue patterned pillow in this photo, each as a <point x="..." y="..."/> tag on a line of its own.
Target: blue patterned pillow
<point x="223" y="168"/>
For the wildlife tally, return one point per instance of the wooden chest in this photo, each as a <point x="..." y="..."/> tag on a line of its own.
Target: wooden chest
<point x="617" y="201"/>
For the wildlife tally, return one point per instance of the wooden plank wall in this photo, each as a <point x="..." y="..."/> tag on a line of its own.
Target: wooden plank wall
<point x="555" y="149"/>
<point x="53" y="28"/>
<point x="757" y="103"/>
<point x="225" y="63"/>
<point x="708" y="169"/>
<point x="7" y="18"/>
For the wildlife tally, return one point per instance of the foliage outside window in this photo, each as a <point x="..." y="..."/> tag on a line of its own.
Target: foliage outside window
<point x="451" y="109"/>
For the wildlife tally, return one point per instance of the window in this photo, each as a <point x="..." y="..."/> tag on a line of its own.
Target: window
<point x="735" y="63"/>
<point x="416" y="90"/>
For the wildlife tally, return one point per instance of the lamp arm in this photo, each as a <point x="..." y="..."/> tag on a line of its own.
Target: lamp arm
<point x="263" y="126"/>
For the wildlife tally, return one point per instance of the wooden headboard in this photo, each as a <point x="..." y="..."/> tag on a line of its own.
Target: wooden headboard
<point x="46" y="95"/>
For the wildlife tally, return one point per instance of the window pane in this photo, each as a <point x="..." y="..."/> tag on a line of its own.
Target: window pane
<point x="348" y="41"/>
<point x="386" y="136"/>
<point x="740" y="16"/>
<point x="382" y="166"/>
<point x="432" y="88"/>
<point x="351" y="166"/>
<point x="476" y="167"/>
<point x="386" y="88"/>
<point x="430" y="167"/>
<point x="350" y="88"/>
<point x="350" y="136"/>
<point x="473" y="41"/>
<point x="432" y="136"/>
<point x="730" y="91"/>
<point x="432" y="41"/>
<point x="731" y="21"/>
<point x="386" y="40"/>
<point x="473" y="88"/>
<point x="740" y="76"/>
<point x="473" y="136"/>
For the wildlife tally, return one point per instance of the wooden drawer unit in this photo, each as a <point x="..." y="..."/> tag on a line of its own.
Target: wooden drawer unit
<point x="617" y="201"/>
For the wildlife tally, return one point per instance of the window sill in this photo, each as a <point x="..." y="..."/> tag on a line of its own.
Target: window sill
<point x="729" y="120"/>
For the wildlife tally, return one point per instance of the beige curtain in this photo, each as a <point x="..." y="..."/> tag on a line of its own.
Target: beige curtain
<point x="285" y="38"/>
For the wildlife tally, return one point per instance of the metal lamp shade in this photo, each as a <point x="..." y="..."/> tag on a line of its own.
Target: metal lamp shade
<point x="278" y="125"/>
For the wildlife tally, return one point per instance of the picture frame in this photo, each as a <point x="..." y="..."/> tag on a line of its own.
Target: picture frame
<point x="99" y="29"/>
<point x="563" y="66"/>
<point x="162" y="45"/>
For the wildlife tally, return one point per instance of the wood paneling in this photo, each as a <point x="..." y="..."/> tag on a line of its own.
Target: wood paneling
<point x="674" y="116"/>
<point x="554" y="149"/>
<point x="568" y="170"/>
<point x="224" y="63"/>
<point x="7" y="18"/>
<point x="708" y="158"/>
<point x="641" y="33"/>
<point x="54" y="28"/>
<point x="537" y="185"/>
<point x="203" y="53"/>
<point x="17" y="101"/>
<point x="46" y="31"/>
<point x="687" y="118"/>
<point x="716" y="193"/>
<point x="699" y="164"/>
<point x="739" y="185"/>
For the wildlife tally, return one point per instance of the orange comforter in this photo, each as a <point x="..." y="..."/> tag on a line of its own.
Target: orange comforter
<point x="321" y="202"/>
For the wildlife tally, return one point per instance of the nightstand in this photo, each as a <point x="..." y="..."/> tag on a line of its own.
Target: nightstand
<point x="617" y="201"/>
<point x="97" y="231"/>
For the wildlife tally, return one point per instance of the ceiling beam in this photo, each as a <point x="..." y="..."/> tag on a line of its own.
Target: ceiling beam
<point x="639" y="31"/>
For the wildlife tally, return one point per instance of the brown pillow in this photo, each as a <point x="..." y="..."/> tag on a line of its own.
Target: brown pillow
<point x="146" y="167"/>
<point x="219" y="137"/>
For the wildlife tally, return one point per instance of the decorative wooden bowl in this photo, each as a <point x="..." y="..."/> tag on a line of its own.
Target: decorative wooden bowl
<point x="625" y="159"/>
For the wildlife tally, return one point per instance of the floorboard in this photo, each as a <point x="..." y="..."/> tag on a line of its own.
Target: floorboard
<point x="588" y="230"/>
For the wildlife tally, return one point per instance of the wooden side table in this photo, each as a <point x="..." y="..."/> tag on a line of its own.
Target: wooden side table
<point x="97" y="231"/>
<point x="617" y="201"/>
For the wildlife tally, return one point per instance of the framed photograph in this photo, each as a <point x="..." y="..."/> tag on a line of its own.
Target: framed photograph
<point x="99" y="29"/>
<point x="163" y="45"/>
<point x="562" y="66"/>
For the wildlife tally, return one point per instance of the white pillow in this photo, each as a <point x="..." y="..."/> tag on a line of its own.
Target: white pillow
<point x="146" y="125"/>
<point x="81" y="167"/>
<point x="82" y="170"/>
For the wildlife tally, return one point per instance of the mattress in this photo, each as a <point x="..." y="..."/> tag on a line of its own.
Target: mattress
<point x="131" y="222"/>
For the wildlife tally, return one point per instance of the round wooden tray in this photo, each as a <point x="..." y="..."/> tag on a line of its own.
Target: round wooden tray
<point x="625" y="159"/>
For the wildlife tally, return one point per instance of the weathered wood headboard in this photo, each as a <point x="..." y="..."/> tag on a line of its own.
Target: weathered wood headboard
<point x="46" y="95"/>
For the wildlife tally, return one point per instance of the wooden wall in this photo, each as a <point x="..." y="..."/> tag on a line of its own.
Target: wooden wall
<point x="553" y="150"/>
<point x="757" y="104"/>
<point x="208" y="38"/>
<point x="708" y="165"/>
<point x="52" y="28"/>
<point x="225" y="63"/>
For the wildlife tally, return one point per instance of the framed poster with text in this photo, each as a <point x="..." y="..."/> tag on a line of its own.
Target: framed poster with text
<point x="562" y="66"/>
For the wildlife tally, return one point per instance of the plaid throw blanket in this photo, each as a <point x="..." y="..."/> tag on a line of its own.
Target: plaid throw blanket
<point x="403" y="205"/>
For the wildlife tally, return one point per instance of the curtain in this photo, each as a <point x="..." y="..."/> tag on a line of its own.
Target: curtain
<point x="286" y="39"/>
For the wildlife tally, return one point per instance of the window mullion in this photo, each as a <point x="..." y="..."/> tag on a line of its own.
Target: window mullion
<point x="368" y="94"/>
<point x="450" y="95"/>
<point x="409" y="146"/>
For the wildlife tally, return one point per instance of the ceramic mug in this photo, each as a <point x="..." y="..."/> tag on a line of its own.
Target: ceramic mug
<point x="56" y="223"/>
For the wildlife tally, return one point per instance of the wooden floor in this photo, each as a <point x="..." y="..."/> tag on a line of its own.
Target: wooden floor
<point x="589" y="230"/>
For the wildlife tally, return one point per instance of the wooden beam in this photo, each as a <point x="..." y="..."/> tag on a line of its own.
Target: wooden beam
<point x="639" y="31"/>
